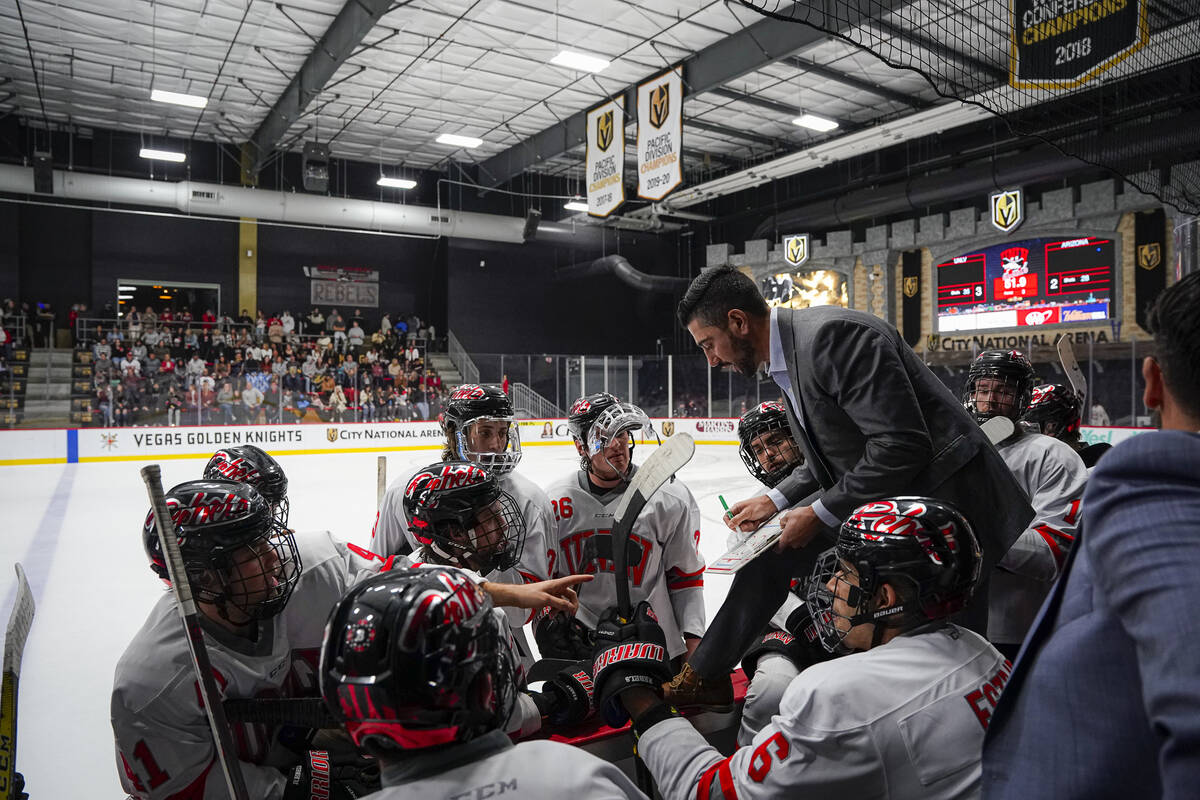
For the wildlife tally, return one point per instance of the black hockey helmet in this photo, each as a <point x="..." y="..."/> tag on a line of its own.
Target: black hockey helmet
<point x="417" y="658"/>
<point x="458" y="511"/>
<point x="1016" y="377"/>
<point x="584" y="412"/>
<point x="253" y="465"/>
<point x="471" y="403"/>
<point x="924" y="547"/>
<point x="237" y="555"/>
<point x="1055" y="408"/>
<point x="597" y="419"/>
<point x="767" y="447"/>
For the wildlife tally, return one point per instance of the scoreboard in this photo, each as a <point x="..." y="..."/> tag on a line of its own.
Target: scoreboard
<point x="1034" y="282"/>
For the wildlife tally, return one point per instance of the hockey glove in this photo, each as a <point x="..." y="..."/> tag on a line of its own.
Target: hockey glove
<point x="628" y="655"/>
<point x="799" y="643"/>
<point x="316" y="777"/>
<point x="563" y="636"/>
<point x="566" y="698"/>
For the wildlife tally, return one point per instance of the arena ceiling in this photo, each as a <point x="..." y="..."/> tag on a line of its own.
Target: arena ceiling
<point x="380" y="80"/>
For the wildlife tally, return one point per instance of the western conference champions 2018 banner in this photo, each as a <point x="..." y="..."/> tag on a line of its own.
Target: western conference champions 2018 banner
<point x="1061" y="45"/>
<point x="660" y="135"/>
<point x="606" y="158"/>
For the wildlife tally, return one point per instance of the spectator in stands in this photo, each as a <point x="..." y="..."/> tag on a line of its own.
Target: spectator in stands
<point x="104" y="407"/>
<point x="1099" y="415"/>
<point x="152" y="337"/>
<point x="288" y="323"/>
<point x="252" y="400"/>
<point x="191" y="339"/>
<point x="225" y="401"/>
<point x="275" y="330"/>
<point x="209" y="320"/>
<point x="5" y="345"/>
<point x="335" y="324"/>
<point x="260" y="327"/>
<point x="338" y="403"/>
<point x="152" y="365"/>
<point x="114" y="334"/>
<point x="138" y="350"/>
<point x="411" y="354"/>
<point x="314" y="323"/>
<point x="130" y="365"/>
<point x="102" y="348"/>
<point x="195" y="368"/>
<point x="184" y="316"/>
<point x="174" y="404"/>
<point x="133" y="320"/>
<point x="149" y="319"/>
<point x="356" y="337"/>
<point x="237" y="367"/>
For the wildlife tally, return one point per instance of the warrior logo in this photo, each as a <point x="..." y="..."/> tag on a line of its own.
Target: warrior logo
<point x="1008" y="210"/>
<point x="604" y="130"/>
<point x="1149" y="255"/>
<point x="660" y="104"/>
<point x="911" y="284"/>
<point x="795" y="249"/>
<point x="1015" y="261"/>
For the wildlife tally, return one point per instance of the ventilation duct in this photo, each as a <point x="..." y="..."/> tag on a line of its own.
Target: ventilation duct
<point x="211" y="199"/>
<point x="626" y="272"/>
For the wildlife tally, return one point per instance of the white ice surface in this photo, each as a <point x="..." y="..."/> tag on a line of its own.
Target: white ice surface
<point x="77" y="530"/>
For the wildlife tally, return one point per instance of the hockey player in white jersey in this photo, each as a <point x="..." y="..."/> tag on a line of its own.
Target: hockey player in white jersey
<point x="901" y="715"/>
<point x="665" y="567"/>
<point x="480" y="427"/>
<point x="790" y="642"/>
<point x="1000" y="383"/>
<point x="415" y="665"/>
<point x="1056" y="411"/>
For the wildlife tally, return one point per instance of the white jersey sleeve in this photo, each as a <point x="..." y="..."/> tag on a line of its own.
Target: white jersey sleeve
<point x="1054" y="477"/>
<point x="682" y="562"/>
<point x="905" y="721"/>
<point x="391" y="526"/>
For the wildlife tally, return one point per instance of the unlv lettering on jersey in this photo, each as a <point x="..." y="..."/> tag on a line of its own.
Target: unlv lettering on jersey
<point x="589" y="552"/>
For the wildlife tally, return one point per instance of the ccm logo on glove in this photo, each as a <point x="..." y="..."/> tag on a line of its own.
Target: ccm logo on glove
<point x="625" y="652"/>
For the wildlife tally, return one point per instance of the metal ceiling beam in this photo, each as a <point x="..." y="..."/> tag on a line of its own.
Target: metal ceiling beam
<point x="344" y="35"/>
<point x="732" y="133"/>
<point x="740" y="53"/>
<point x="857" y="83"/>
<point x="968" y="62"/>
<point x="774" y="107"/>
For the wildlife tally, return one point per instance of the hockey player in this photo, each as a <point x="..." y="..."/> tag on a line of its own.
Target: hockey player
<point x="415" y="665"/>
<point x="253" y="465"/>
<point x="1055" y="409"/>
<point x="1000" y="383"/>
<point x="480" y="427"/>
<point x="665" y="567"/>
<point x="263" y="595"/>
<point x="901" y="716"/>
<point x="789" y="643"/>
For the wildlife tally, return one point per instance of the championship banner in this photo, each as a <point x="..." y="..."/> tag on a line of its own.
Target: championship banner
<point x="1061" y="45"/>
<point x="1150" y="253"/>
<point x="660" y="135"/>
<point x="606" y="158"/>
<point x="910" y="303"/>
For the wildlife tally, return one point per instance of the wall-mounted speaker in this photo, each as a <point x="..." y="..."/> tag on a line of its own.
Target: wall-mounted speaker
<point x="43" y="173"/>
<point x="532" y="217"/>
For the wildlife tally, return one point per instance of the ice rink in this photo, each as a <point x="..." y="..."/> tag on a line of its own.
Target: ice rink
<point x="77" y="530"/>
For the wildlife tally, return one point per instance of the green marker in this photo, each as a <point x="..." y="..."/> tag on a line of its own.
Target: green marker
<point x="724" y="505"/>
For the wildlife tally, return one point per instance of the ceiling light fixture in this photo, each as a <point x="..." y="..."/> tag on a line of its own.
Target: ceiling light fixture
<point x="459" y="141"/>
<point x="815" y="123"/>
<point x="396" y="183"/>
<point x="580" y="61"/>
<point x="576" y="204"/>
<point x="178" y="98"/>
<point x="162" y="155"/>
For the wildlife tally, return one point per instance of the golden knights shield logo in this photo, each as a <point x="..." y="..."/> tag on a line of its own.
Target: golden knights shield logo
<point x="795" y="249"/>
<point x="331" y="434"/>
<point x="1149" y="255"/>
<point x="932" y="342"/>
<point x="911" y="284"/>
<point x="604" y="130"/>
<point x="668" y="428"/>
<point x="1008" y="210"/>
<point x="660" y="104"/>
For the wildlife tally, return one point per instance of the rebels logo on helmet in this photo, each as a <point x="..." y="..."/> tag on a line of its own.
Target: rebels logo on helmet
<point x="769" y="406"/>
<point x="1039" y="392"/>
<point x="203" y="509"/>
<point x="886" y="516"/>
<point x="236" y="469"/>
<point x="470" y="391"/>
<point x="451" y="476"/>
<point x="582" y="405"/>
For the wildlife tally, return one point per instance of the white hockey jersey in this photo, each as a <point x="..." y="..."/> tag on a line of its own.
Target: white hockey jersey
<point x="163" y="740"/>
<point x="1054" y="477"/>
<point x="492" y="766"/>
<point x="902" y="721"/>
<point x="665" y="567"/>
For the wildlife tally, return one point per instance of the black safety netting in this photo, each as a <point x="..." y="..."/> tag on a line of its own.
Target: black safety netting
<point x="1115" y="83"/>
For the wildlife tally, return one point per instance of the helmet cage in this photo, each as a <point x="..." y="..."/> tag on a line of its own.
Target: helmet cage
<point x="276" y="566"/>
<point x="782" y="444"/>
<point x="613" y="421"/>
<point x="492" y="539"/>
<point x="498" y="463"/>
<point x="1015" y="377"/>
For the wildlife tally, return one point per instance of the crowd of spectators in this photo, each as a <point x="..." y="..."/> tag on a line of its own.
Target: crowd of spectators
<point x="167" y="367"/>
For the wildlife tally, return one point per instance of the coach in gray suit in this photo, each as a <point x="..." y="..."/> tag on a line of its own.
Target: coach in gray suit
<point x="871" y="420"/>
<point x="1104" y="699"/>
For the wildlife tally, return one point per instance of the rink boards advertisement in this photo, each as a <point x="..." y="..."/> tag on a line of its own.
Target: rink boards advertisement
<point x="85" y="445"/>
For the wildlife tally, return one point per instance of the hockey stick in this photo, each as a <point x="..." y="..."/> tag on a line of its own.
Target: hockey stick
<point x="1066" y="354"/>
<point x="14" y="647"/>
<point x="380" y="481"/>
<point x="222" y="739"/>
<point x="304" y="712"/>
<point x="997" y="429"/>
<point x="663" y="463"/>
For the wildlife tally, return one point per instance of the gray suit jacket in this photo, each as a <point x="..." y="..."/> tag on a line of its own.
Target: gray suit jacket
<point x="878" y="423"/>
<point x="1104" y="699"/>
